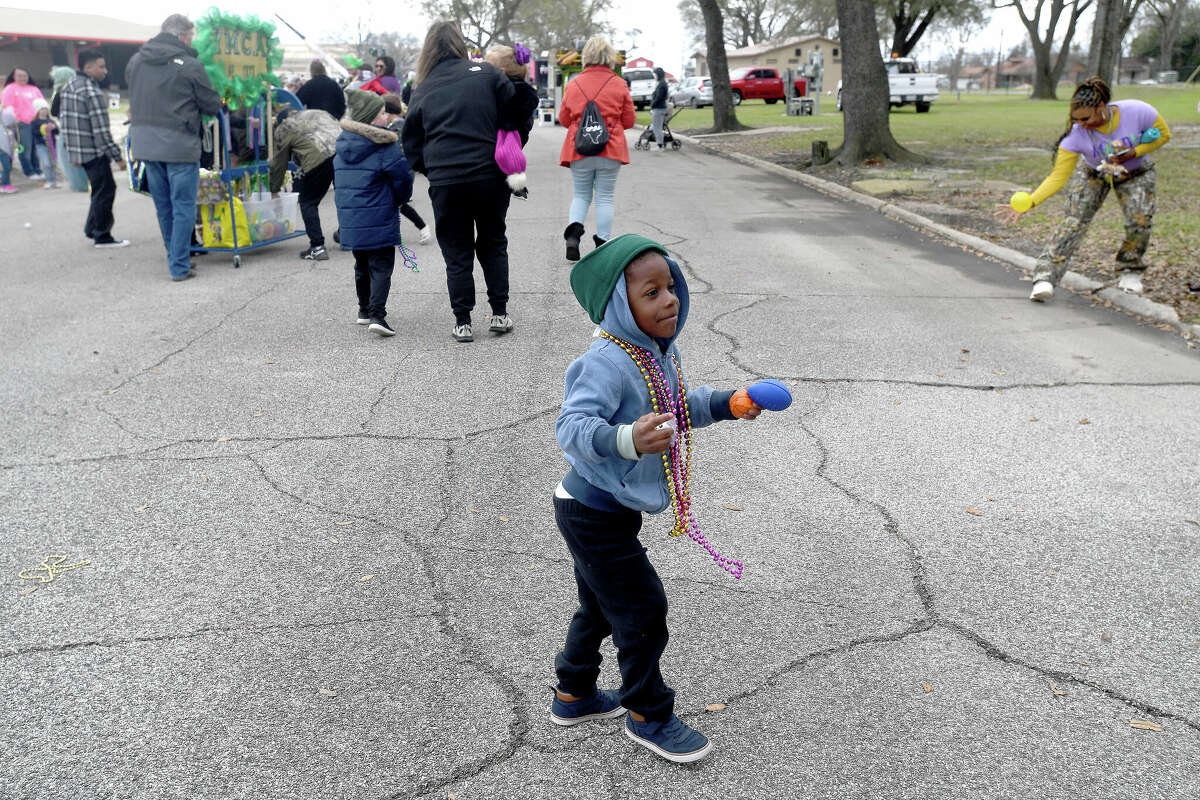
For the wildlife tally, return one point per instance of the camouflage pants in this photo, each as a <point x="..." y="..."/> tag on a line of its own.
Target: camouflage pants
<point x="1085" y="193"/>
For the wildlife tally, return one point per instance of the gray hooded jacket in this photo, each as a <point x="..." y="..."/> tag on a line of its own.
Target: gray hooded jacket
<point x="168" y="91"/>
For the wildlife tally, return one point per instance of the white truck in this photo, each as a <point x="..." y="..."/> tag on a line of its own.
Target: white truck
<point x="906" y="84"/>
<point x="641" y="86"/>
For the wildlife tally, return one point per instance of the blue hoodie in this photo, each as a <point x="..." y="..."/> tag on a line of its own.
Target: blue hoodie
<point x="606" y="390"/>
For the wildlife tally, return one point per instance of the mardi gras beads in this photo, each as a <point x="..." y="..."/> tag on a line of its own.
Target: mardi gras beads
<point x="677" y="460"/>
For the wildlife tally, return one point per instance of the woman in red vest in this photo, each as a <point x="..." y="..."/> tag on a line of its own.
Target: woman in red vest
<point x="595" y="173"/>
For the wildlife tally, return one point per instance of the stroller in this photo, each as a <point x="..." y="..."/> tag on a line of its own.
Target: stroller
<point x="646" y="140"/>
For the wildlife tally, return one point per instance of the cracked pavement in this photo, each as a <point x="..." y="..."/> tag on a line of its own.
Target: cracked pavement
<point x="324" y="565"/>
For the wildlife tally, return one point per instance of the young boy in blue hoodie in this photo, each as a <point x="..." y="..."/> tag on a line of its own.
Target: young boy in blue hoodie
<point x="371" y="181"/>
<point x="611" y="438"/>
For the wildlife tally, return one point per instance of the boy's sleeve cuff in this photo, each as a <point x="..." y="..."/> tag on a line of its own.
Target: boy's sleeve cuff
<point x="625" y="443"/>
<point x="605" y="441"/>
<point x="718" y="405"/>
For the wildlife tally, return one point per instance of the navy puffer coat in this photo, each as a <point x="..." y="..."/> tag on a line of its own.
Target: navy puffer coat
<point x="371" y="181"/>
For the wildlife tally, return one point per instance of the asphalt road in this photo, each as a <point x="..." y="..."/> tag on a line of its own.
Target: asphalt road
<point x="324" y="565"/>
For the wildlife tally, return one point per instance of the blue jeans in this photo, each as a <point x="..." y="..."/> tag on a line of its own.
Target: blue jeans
<point x="47" y="164"/>
<point x="173" y="187"/>
<point x="76" y="175"/>
<point x="28" y="156"/>
<point x="5" y="167"/>
<point x="599" y="173"/>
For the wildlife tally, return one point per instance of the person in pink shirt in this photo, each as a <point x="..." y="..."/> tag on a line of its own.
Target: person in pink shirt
<point x="19" y="93"/>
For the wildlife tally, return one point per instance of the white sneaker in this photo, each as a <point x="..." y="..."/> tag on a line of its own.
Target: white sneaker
<point x="426" y="235"/>
<point x="1042" y="291"/>
<point x="500" y="323"/>
<point x="462" y="333"/>
<point x="1130" y="282"/>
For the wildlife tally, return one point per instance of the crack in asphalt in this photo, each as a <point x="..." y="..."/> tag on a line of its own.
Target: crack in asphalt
<point x="213" y="630"/>
<point x="135" y="375"/>
<point x="141" y="455"/>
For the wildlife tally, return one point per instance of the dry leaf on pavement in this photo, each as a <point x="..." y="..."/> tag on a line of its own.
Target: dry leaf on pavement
<point x="1145" y="725"/>
<point x="715" y="707"/>
<point x="504" y="519"/>
<point x="365" y="578"/>
<point x="1057" y="691"/>
<point x="344" y="522"/>
<point x="328" y="692"/>
<point x="1085" y="421"/>
<point x="974" y="511"/>
<point x="224" y="439"/>
<point x="733" y="508"/>
<point x="926" y="687"/>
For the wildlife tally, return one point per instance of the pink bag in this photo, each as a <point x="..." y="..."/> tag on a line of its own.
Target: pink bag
<point x="509" y="156"/>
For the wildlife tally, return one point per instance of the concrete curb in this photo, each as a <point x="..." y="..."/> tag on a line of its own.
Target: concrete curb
<point x="1135" y="304"/>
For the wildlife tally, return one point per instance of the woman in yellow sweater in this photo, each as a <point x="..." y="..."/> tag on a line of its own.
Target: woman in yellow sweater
<point x="1114" y="139"/>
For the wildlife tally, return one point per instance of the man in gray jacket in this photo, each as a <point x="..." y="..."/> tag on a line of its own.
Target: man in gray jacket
<point x="168" y="91"/>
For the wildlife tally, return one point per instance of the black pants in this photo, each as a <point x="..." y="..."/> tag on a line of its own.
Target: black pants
<point x="104" y="189"/>
<point x="412" y="216"/>
<point x="470" y="222"/>
<point x="619" y="594"/>
<point x="313" y="187"/>
<point x="373" y="279"/>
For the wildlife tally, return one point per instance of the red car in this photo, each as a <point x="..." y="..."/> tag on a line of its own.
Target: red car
<point x="752" y="83"/>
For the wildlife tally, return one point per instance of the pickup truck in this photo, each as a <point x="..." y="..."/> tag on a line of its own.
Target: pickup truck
<point x="751" y="83"/>
<point x="906" y="84"/>
<point x="641" y="86"/>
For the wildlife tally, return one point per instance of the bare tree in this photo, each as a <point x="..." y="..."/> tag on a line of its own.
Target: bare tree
<point x="756" y="21"/>
<point x="404" y="48"/>
<point x="1048" y="67"/>
<point x="867" y="131"/>
<point x="552" y="24"/>
<point x="1169" y="15"/>
<point x="482" y="22"/>
<point x="1112" y="21"/>
<point x="724" y="116"/>
<point x="911" y="19"/>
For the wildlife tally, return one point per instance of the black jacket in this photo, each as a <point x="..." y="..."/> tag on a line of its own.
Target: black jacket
<point x="659" y="100"/>
<point x="168" y="91"/>
<point x="323" y="92"/>
<point x="450" y="131"/>
<point x="518" y="116"/>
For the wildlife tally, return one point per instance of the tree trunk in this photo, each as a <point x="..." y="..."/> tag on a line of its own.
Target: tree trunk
<point x="724" y="116"/>
<point x="1169" y="33"/>
<point x="1045" y="82"/>
<point x="865" y="94"/>
<point x="1106" y="44"/>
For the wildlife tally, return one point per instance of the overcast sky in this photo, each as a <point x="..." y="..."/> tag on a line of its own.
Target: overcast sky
<point x="662" y="39"/>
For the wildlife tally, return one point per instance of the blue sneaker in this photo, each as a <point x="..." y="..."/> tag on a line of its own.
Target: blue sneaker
<point x="602" y="704"/>
<point x="672" y="739"/>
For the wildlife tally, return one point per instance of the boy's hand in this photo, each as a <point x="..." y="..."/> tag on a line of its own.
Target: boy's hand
<point x="742" y="406"/>
<point x="647" y="438"/>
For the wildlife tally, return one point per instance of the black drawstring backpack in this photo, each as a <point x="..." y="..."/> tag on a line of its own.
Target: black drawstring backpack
<point x="591" y="137"/>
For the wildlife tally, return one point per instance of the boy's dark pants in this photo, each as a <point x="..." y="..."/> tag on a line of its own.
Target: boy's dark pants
<point x="373" y="279"/>
<point x="619" y="594"/>
<point x="104" y="188"/>
<point x="313" y="187"/>
<point x="470" y="221"/>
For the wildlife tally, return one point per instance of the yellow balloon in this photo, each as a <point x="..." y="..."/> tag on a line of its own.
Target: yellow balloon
<point x="1021" y="202"/>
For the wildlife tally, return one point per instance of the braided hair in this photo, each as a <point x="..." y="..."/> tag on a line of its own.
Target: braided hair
<point x="1092" y="93"/>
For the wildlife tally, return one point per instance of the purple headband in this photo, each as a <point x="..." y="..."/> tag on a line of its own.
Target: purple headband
<point x="521" y="54"/>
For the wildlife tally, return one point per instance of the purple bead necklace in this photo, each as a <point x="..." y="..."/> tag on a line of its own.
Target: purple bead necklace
<point x="677" y="461"/>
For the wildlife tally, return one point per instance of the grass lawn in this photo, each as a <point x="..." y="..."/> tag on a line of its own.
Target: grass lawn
<point x="1005" y="139"/>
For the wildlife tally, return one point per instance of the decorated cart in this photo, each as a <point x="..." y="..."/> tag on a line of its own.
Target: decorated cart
<point x="237" y="212"/>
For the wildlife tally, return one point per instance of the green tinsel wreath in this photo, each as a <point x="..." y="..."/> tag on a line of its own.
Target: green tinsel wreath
<point x="236" y="91"/>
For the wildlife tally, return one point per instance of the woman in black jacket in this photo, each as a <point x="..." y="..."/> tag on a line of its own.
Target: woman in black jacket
<point x="450" y="137"/>
<point x="658" y="106"/>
